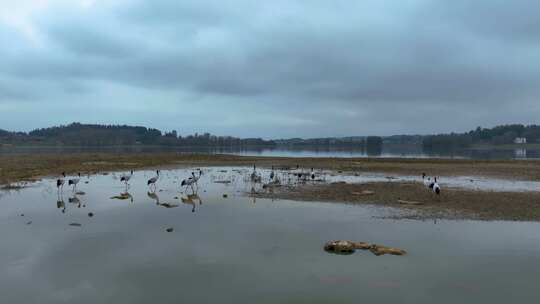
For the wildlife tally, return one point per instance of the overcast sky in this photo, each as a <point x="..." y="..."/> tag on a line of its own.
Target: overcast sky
<point x="274" y="69"/>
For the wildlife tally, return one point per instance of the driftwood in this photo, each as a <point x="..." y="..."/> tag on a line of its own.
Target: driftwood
<point x="349" y="247"/>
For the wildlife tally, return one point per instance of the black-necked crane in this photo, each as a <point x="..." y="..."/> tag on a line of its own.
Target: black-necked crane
<point x="153" y="180"/>
<point x="74" y="181"/>
<point x="125" y="178"/>
<point x="426" y="180"/>
<point x="61" y="181"/>
<point x="192" y="180"/>
<point x="272" y="174"/>
<point x="436" y="187"/>
<point x="255" y="177"/>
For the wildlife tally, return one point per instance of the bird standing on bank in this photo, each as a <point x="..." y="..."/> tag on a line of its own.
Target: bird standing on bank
<point x="426" y="180"/>
<point x="436" y="187"/>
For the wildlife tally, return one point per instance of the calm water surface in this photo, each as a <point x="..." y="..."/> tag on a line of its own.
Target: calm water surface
<point x="240" y="250"/>
<point x="387" y="151"/>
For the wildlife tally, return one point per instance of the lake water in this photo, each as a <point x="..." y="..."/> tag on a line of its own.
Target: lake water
<point x="387" y="151"/>
<point x="241" y="250"/>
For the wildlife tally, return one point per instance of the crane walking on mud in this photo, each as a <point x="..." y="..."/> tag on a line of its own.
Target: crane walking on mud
<point x="436" y="187"/>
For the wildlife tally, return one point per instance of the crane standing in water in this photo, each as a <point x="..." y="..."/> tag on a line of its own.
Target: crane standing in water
<point x="125" y="178"/>
<point x="192" y="180"/>
<point x="152" y="182"/>
<point x="255" y="177"/>
<point x="60" y="182"/>
<point x="74" y="181"/>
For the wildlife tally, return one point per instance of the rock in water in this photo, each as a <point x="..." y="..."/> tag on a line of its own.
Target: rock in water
<point x="170" y="229"/>
<point x="349" y="247"/>
<point x="339" y="247"/>
<point x="380" y="250"/>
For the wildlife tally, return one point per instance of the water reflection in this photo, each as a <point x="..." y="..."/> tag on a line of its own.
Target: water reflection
<point x="60" y="204"/>
<point x="124" y="196"/>
<point x="384" y="150"/>
<point x="520" y="153"/>
<point x="154" y="196"/>
<point x="191" y="199"/>
<point x="233" y="243"/>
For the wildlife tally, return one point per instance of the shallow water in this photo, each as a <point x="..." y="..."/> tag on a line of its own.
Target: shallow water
<point x="237" y="250"/>
<point x="464" y="182"/>
<point x="387" y="151"/>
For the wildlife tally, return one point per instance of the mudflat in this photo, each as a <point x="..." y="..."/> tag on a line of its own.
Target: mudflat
<point x="14" y="168"/>
<point x="410" y="196"/>
<point x="419" y="202"/>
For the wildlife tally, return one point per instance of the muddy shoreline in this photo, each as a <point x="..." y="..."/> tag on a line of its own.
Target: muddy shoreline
<point x="418" y="202"/>
<point x="454" y="203"/>
<point x="14" y="168"/>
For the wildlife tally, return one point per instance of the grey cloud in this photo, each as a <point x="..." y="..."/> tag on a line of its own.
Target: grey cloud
<point x="299" y="60"/>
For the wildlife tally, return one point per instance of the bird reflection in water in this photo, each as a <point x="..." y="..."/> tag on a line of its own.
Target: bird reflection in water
<point x="76" y="201"/>
<point x="60" y="204"/>
<point x="155" y="197"/>
<point x="124" y="196"/>
<point x="192" y="199"/>
<point x="253" y="195"/>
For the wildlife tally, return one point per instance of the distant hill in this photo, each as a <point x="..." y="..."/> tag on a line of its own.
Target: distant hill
<point x="77" y="134"/>
<point x="499" y="135"/>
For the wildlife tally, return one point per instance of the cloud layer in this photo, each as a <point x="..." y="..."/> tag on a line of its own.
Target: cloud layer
<point x="277" y="69"/>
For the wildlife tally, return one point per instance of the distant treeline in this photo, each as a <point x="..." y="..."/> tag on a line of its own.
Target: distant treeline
<point x="499" y="135"/>
<point x="77" y="134"/>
